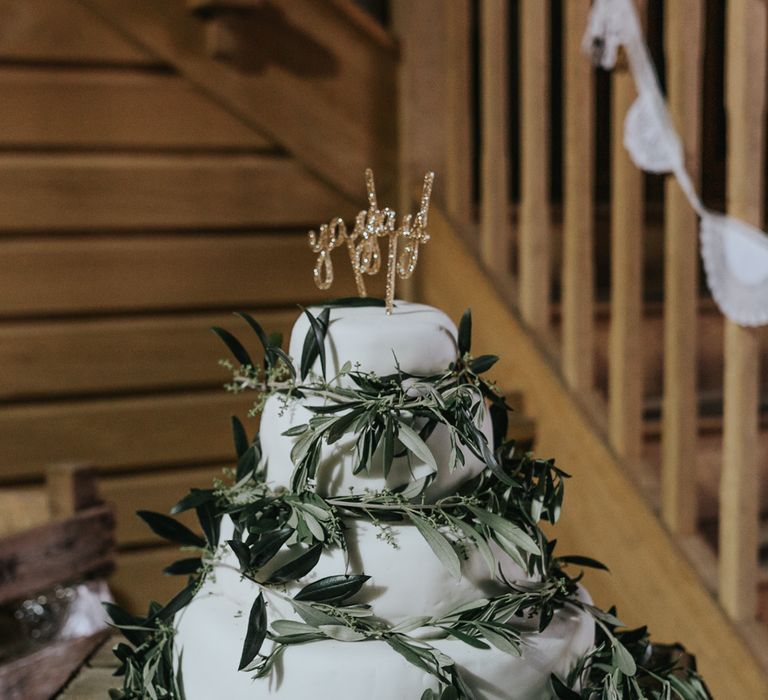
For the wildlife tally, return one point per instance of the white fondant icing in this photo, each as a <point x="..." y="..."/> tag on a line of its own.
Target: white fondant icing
<point x="334" y="475"/>
<point x="212" y="630"/>
<point x="421" y="337"/>
<point x="407" y="581"/>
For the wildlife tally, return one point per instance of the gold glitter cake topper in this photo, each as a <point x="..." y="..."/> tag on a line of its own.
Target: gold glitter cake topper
<point x="363" y="241"/>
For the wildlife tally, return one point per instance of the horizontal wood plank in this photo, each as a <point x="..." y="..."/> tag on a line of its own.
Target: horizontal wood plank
<point x="45" y="358"/>
<point x="56" y="32"/>
<point x="139" y="577"/>
<point x="107" y="274"/>
<point x="66" y="191"/>
<point x="150" y="491"/>
<point x="119" y="433"/>
<point x="113" y="109"/>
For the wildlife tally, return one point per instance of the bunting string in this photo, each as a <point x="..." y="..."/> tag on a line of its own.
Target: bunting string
<point x="735" y="254"/>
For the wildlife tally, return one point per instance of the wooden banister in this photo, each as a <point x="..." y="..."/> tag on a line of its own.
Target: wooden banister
<point x="578" y="182"/>
<point x="495" y="244"/>
<point x="535" y="253"/>
<point x="625" y="389"/>
<point x="684" y="48"/>
<point x="629" y="346"/>
<point x="739" y="486"/>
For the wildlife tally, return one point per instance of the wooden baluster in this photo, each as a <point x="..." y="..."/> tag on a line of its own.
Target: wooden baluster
<point x="578" y="182"/>
<point x="458" y="72"/>
<point x="739" y="484"/>
<point x="535" y="253"/>
<point x="421" y="106"/>
<point x="684" y="44"/>
<point x="625" y="387"/>
<point x="495" y="242"/>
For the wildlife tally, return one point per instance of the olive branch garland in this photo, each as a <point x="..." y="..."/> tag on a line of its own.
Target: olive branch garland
<point x="265" y="522"/>
<point x="503" y="504"/>
<point x="324" y="605"/>
<point x="379" y="411"/>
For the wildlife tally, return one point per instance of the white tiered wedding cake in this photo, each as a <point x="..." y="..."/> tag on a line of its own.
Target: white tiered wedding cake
<point x="380" y="538"/>
<point x="408" y="578"/>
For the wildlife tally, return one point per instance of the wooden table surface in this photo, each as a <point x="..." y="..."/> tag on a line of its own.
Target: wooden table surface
<point x="95" y="678"/>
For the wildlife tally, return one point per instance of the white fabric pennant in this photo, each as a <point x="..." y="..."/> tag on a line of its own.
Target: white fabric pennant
<point x="736" y="262"/>
<point x="606" y="32"/>
<point x="650" y="145"/>
<point x="735" y="254"/>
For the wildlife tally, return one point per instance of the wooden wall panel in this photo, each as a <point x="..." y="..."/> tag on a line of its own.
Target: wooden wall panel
<point x="160" y="272"/>
<point x="60" y="31"/>
<point x="152" y="491"/>
<point x="304" y="75"/>
<point x="118" y="433"/>
<point x="44" y="358"/>
<point x="56" y="192"/>
<point x="113" y="109"/>
<point x="139" y="578"/>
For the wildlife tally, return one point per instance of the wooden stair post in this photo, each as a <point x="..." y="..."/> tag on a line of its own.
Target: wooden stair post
<point x="495" y="242"/>
<point x="739" y="487"/>
<point x="684" y="24"/>
<point x="578" y="317"/>
<point x="625" y="392"/>
<point x="535" y="245"/>
<point x="457" y="183"/>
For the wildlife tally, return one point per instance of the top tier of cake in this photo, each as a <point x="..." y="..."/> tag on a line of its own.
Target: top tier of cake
<point x="420" y="340"/>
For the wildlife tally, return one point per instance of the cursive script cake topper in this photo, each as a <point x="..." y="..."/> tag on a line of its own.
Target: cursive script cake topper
<point x="363" y="242"/>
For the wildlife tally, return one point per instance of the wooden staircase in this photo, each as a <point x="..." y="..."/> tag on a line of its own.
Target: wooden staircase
<point x="162" y="170"/>
<point x="608" y="512"/>
<point x="565" y="219"/>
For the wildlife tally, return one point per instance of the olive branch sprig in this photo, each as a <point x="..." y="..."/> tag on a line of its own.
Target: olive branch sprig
<point x="390" y="416"/>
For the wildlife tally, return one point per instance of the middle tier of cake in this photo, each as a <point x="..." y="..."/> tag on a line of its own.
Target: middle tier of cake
<point x="406" y="582"/>
<point x="335" y="474"/>
<point x="407" y="578"/>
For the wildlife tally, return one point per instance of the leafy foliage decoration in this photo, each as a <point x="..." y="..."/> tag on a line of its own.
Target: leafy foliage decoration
<point x="389" y="417"/>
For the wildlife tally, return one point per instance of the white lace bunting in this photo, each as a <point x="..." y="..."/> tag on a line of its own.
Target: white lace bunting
<point x="735" y="254"/>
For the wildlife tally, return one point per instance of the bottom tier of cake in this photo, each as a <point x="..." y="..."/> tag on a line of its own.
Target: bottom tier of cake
<point x="211" y="631"/>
